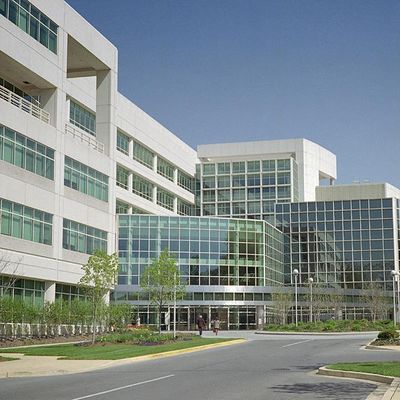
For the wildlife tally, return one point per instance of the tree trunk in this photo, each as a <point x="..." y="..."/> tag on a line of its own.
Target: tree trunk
<point x="94" y="325"/>
<point x="159" y="318"/>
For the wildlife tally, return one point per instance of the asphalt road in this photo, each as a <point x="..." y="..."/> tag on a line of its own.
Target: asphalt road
<point x="265" y="367"/>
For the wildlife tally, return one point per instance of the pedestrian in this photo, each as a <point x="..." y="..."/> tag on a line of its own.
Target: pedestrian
<point x="201" y="324"/>
<point x="217" y="324"/>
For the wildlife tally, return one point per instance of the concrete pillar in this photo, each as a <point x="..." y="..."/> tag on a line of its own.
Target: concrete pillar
<point x="106" y="87"/>
<point x="260" y="315"/>
<point x="49" y="292"/>
<point x="130" y="148"/>
<point x="155" y="158"/>
<point x="176" y="176"/>
<point x="155" y="194"/>
<point x="130" y="182"/>
<point x="175" y="205"/>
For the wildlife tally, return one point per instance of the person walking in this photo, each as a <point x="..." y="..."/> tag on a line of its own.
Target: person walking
<point x="217" y="324"/>
<point x="201" y="324"/>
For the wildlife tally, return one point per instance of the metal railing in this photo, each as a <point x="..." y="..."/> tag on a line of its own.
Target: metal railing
<point x="24" y="105"/>
<point x="84" y="137"/>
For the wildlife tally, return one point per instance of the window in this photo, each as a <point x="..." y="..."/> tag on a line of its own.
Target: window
<point x="283" y="165"/>
<point x="239" y="167"/>
<point x="121" y="207"/>
<point x="208" y="169"/>
<point x="165" y="169"/>
<point x="185" y="181"/>
<point x="142" y="155"/>
<point x="86" y="180"/>
<point x="268" y="165"/>
<point x="142" y="187"/>
<point x="123" y="142"/>
<point x="283" y="178"/>
<point x="26" y="223"/>
<point x="32" y="99"/>
<point x="82" y="238"/>
<point x="238" y="180"/>
<point x="224" y="181"/>
<point x="122" y="177"/>
<point x="253" y="166"/>
<point x="82" y="118"/>
<point x="185" y="208"/>
<point x="32" y="21"/>
<point x="25" y="153"/>
<point x="224" y="168"/>
<point x="165" y="199"/>
<point x="268" y="179"/>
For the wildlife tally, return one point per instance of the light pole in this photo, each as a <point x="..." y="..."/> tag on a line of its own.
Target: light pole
<point x="175" y="305"/>
<point x="394" y="273"/>
<point x="310" y="281"/>
<point x="296" y="274"/>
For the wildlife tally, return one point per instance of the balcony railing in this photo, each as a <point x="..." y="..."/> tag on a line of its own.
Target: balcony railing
<point x="84" y="137"/>
<point x="24" y="105"/>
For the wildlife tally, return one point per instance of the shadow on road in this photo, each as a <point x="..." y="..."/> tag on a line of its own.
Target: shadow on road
<point x="328" y="390"/>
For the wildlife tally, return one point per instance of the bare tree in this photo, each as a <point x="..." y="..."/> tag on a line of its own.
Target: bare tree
<point x="9" y="268"/>
<point x="373" y="296"/>
<point x="282" y="301"/>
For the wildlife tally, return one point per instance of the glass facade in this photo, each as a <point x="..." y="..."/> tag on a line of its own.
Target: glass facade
<point x="248" y="189"/>
<point x="28" y="290"/>
<point x="210" y="251"/>
<point x="24" y="222"/>
<point x="87" y="180"/>
<point x="83" y="238"/>
<point x="345" y="244"/>
<point x="82" y="118"/>
<point x="32" y="21"/>
<point x="69" y="293"/>
<point x="25" y="153"/>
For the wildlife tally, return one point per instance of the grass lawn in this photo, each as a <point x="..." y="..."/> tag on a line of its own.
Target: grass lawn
<point x="388" y="368"/>
<point x="110" y="351"/>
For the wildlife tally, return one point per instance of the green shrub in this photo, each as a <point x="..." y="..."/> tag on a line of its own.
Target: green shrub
<point x="388" y="334"/>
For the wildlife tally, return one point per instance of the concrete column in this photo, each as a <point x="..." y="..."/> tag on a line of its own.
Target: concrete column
<point x="130" y="148"/>
<point x="155" y="158"/>
<point x="106" y="87"/>
<point x="175" y="205"/>
<point x="155" y="194"/>
<point x="176" y="176"/>
<point x="260" y="315"/>
<point x="130" y="182"/>
<point x="49" y="292"/>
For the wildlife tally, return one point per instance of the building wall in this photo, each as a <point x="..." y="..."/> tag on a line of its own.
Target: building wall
<point x="81" y="72"/>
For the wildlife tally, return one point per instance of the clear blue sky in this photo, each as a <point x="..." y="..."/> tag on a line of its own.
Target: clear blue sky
<point x="216" y="71"/>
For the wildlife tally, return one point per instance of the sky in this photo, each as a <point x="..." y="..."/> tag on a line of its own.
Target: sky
<point x="215" y="71"/>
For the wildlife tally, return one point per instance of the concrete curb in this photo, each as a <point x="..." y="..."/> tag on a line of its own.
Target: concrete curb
<point x="392" y="393"/>
<point x="113" y="363"/>
<point x="313" y="333"/>
<point x="355" y="375"/>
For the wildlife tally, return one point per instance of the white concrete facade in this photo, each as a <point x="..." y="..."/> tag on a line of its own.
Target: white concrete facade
<point x="315" y="163"/>
<point x="83" y="70"/>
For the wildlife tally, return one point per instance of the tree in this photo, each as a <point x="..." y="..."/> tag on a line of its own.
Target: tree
<point x="9" y="267"/>
<point x="373" y="296"/>
<point x="282" y="301"/>
<point x="160" y="280"/>
<point x="99" y="276"/>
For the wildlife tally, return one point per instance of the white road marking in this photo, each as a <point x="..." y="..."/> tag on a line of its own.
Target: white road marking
<point x="122" y="387"/>
<point x="294" y="344"/>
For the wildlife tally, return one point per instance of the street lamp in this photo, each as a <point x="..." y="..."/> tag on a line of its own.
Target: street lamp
<point x="175" y="305"/>
<point x="296" y="274"/>
<point x="394" y="274"/>
<point x="310" y="281"/>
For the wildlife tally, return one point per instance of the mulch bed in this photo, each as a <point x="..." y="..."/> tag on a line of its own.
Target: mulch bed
<point x="386" y="342"/>
<point x="45" y="340"/>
